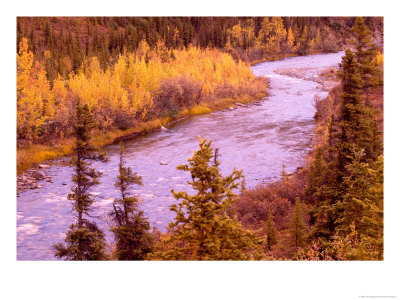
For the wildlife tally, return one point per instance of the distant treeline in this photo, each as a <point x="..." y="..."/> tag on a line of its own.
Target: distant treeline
<point x="63" y="43"/>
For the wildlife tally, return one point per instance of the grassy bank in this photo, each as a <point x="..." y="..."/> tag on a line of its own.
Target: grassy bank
<point x="30" y="155"/>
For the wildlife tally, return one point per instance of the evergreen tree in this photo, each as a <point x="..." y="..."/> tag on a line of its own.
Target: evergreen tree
<point x="202" y="229"/>
<point x="302" y="42"/>
<point x="47" y="30"/>
<point x="324" y="184"/>
<point x="357" y="130"/>
<point x="131" y="229"/>
<point x="32" y="40"/>
<point x="357" y="121"/>
<point x="374" y="217"/>
<point x="84" y="240"/>
<point x="318" y="41"/>
<point x="270" y="232"/>
<point x="323" y="192"/>
<point x="362" y="204"/>
<point x="357" y="189"/>
<point x="365" y="54"/>
<point x="297" y="229"/>
<point x="20" y="34"/>
<point x="341" y="180"/>
<point x="341" y="247"/>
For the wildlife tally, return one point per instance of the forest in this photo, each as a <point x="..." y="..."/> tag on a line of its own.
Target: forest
<point x="138" y="73"/>
<point x="83" y="83"/>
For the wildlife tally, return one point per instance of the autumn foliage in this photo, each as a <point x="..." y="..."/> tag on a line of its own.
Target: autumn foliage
<point x="35" y="100"/>
<point x="140" y="86"/>
<point x="331" y="209"/>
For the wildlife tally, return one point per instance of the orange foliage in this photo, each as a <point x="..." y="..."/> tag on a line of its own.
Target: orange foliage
<point x="35" y="102"/>
<point x="130" y="90"/>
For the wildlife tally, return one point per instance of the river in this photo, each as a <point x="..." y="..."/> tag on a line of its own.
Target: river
<point x="258" y="138"/>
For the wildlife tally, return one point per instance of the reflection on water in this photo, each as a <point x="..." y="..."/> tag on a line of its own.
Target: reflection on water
<point x="258" y="138"/>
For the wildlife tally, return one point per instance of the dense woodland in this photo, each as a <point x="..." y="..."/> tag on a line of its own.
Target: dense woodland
<point x="70" y="41"/>
<point x="139" y="73"/>
<point x="80" y="75"/>
<point x="60" y="55"/>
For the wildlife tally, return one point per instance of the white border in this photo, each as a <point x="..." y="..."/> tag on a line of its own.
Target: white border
<point x="194" y="280"/>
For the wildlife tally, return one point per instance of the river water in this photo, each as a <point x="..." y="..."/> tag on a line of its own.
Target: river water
<point x="258" y="138"/>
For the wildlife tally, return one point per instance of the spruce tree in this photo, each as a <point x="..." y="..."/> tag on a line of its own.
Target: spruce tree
<point x="84" y="240"/>
<point x="357" y="131"/>
<point x="356" y="193"/>
<point x="327" y="171"/>
<point x="374" y="219"/>
<point x="323" y="191"/>
<point x="297" y="229"/>
<point x="365" y="53"/>
<point x="357" y="121"/>
<point x="131" y="228"/>
<point x="202" y="229"/>
<point x="362" y="204"/>
<point x="270" y="232"/>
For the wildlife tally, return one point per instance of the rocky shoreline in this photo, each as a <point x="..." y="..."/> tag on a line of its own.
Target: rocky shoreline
<point x="31" y="179"/>
<point x="326" y="78"/>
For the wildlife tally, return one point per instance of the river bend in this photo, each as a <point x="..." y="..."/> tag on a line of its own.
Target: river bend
<point x="258" y="138"/>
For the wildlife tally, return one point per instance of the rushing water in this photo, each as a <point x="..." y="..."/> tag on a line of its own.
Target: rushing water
<point x="258" y="138"/>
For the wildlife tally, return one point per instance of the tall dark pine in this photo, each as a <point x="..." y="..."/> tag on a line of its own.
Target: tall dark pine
<point x="365" y="53"/>
<point x="84" y="240"/>
<point x="270" y="232"/>
<point x="131" y="228"/>
<point x="297" y="229"/>
<point x="359" y="197"/>
<point x="350" y="112"/>
<point x="357" y="130"/>
<point x="357" y="121"/>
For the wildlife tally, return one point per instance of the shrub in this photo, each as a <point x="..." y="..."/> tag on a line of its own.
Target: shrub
<point x="253" y="205"/>
<point x="277" y="198"/>
<point x="124" y="120"/>
<point x="255" y="54"/>
<point x="329" y="44"/>
<point x="176" y="93"/>
<point x="225" y="91"/>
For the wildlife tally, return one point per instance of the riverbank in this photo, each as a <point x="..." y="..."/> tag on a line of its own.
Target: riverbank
<point x="278" y="198"/>
<point x="29" y="156"/>
<point x="267" y="59"/>
<point x="257" y="138"/>
<point x="327" y="78"/>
